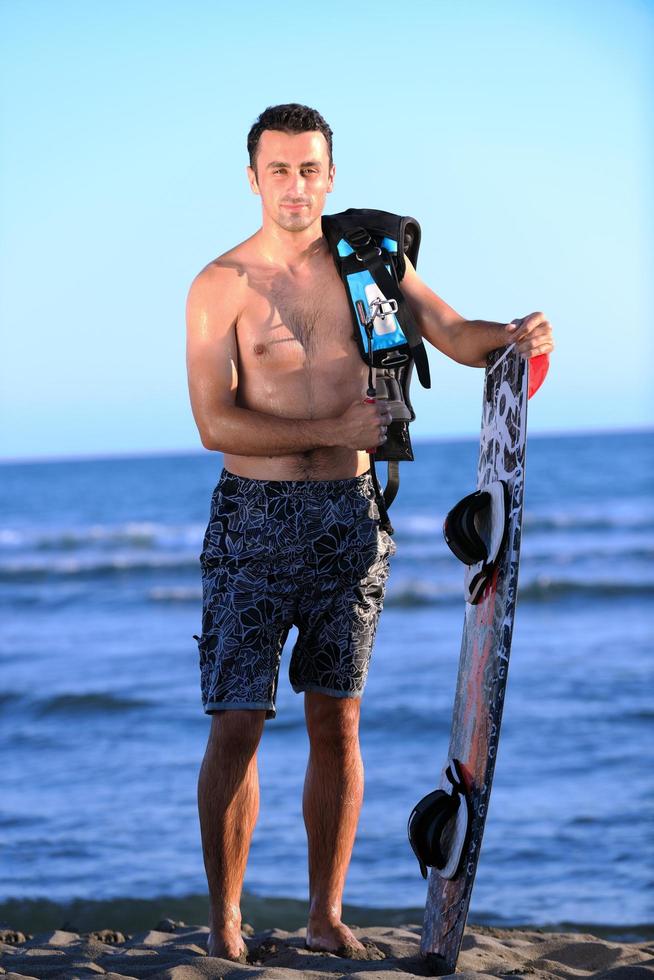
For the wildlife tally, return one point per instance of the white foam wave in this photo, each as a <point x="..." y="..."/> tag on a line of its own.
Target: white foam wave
<point x="137" y="534"/>
<point x="37" y="567"/>
<point x="175" y="594"/>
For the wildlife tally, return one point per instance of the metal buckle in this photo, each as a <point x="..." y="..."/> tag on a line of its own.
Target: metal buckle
<point x="376" y="249"/>
<point x="394" y="358"/>
<point x="382" y="308"/>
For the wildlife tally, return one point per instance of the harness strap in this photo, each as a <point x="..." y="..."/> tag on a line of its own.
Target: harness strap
<point x="369" y="255"/>
<point x="392" y="482"/>
<point x="380" y="498"/>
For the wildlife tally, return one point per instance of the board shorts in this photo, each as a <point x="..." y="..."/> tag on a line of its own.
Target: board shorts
<point x="283" y="553"/>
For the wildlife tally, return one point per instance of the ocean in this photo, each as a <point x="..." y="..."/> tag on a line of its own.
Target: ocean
<point x="102" y="730"/>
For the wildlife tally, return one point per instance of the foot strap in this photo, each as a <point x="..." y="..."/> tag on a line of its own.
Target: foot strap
<point x="439" y="825"/>
<point x="476" y="530"/>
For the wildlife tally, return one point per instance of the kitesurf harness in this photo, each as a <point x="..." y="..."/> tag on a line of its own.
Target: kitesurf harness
<point x="439" y="825"/>
<point x="475" y="531"/>
<point x="368" y="248"/>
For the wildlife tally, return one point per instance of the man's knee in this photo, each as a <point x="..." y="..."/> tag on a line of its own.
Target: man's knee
<point x="236" y="732"/>
<point x="331" y="720"/>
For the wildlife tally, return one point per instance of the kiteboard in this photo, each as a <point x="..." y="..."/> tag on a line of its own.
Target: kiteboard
<point x="449" y="823"/>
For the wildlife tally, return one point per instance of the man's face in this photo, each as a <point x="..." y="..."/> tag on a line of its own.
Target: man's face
<point x="293" y="177"/>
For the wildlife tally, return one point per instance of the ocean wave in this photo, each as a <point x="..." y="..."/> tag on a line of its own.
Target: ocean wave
<point x="176" y="594"/>
<point x="90" y="702"/>
<point x="135" y="534"/>
<point x="607" y="549"/>
<point x="540" y="588"/>
<point x="32" y="568"/>
<point x="605" y="515"/>
<point x="439" y="586"/>
<point x="429" y="555"/>
<point x="634" y="513"/>
<point x="589" y="521"/>
<point x="544" y="587"/>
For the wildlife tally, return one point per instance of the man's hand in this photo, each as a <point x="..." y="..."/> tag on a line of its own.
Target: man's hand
<point x="363" y="425"/>
<point x="531" y="335"/>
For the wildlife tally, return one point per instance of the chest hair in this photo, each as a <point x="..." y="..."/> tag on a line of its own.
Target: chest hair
<point x="314" y="313"/>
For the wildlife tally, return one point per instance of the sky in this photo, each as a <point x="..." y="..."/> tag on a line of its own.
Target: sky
<point x="518" y="134"/>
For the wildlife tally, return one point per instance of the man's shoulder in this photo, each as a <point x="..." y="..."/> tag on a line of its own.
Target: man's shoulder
<point x="230" y="264"/>
<point x="226" y="272"/>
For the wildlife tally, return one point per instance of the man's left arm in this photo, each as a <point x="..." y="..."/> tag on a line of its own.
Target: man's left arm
<point x="470" y="341"/>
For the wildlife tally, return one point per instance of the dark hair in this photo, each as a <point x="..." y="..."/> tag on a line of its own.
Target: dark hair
<point x="289" y="118"/>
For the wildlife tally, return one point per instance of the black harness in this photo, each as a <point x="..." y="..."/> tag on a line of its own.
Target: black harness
<point x="368" y="248"/>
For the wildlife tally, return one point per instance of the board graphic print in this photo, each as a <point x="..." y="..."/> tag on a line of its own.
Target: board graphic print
<point x="485" y="648"/>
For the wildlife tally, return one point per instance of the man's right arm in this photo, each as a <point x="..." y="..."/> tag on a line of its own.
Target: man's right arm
<point x="212" y="367"/>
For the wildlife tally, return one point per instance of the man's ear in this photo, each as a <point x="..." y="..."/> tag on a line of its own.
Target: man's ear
<point x="252" y="178"/>
<point x="330" y="179"/>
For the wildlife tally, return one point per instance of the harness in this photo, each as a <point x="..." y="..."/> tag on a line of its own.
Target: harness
<point x="368" y="248"/>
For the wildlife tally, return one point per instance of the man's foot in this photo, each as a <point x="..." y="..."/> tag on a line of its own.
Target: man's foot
<point x="332" y="937"/>
<point x="227" y="943"/>
<point x="225" y="939"/>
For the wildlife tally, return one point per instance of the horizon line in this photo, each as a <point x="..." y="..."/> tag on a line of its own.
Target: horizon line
<point x="417" y="440"/>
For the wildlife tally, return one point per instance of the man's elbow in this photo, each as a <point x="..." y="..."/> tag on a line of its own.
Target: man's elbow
<point x="207" y="441"/>
<point x="214" y="428"/>
<point x="468" y="362"/>
<point x="206" y="437"/>
<point x="213" y="438"/>
<point x="207" y="430"/>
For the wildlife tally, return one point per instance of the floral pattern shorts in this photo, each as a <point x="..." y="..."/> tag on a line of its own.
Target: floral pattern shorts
<point x="278" y="553"/>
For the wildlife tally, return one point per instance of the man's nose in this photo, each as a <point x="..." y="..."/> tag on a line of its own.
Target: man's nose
<point x="297" y="183"/>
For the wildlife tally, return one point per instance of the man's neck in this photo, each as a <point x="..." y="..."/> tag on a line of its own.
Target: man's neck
<point x="291" y="249"/>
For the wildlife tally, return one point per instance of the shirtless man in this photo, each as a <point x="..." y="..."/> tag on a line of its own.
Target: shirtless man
<point x="277" y="384"/>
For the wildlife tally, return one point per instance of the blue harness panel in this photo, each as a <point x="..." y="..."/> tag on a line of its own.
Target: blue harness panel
<point x="387" y="333"/>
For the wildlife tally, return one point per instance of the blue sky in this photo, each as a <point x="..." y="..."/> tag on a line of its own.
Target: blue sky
<point x="519" y="134"/>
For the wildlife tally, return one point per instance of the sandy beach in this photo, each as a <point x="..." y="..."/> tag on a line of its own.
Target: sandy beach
<point x="176" y="951"/>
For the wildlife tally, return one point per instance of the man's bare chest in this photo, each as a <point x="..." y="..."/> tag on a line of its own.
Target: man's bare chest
<point x="289" y="321"/>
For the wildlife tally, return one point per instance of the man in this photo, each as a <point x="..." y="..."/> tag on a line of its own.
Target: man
<point x="277" y="384"/>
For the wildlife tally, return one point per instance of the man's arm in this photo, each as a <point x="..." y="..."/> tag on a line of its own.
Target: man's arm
<point x="213" y="306"/>
<point x="470" y="341"/>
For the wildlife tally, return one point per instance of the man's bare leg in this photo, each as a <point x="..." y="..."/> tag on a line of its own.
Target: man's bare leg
<point x="228" y="804"/>
<point x="333" y="793"/>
